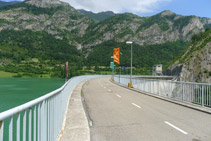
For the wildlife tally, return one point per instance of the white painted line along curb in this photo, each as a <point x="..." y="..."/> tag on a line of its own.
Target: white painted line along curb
<point x="118" y="96"/>
<point x="136" y="105"/>
<point x="176" y="128"/>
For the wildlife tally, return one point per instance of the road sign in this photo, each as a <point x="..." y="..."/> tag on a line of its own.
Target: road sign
<point x="112" y="65"/>
<point x="123" y="68"/>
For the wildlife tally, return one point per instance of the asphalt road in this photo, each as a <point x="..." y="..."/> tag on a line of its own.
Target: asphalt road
<point x="119" y="114"/>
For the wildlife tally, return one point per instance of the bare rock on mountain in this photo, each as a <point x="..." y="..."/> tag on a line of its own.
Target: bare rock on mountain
<point x="195" y="64"/>
<point x="45" y="3"/>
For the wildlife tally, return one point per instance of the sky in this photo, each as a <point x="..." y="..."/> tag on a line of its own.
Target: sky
<point x="201" y="8"/>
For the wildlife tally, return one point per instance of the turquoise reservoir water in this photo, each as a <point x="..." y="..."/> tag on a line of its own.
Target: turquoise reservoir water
<point x="17" y="91"/>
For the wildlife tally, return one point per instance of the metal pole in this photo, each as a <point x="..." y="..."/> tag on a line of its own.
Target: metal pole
<point x="119" y="74"/>
<point x="113" y="73"/>
<point x="131" y="71"/>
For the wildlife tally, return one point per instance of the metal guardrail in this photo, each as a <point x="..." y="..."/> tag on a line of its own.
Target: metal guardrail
<point x="41" y="119"/>
<point x="195" y="93"/>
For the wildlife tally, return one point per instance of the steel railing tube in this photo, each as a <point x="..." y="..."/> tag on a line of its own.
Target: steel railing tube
<point x="35" y="123"/>
<point x="24" y="125"/>
<point x="30" y="125"/>
<point x="18" y="127"/>
<point x="43" y="117"/>
<point x="197" y="93"/>
<point x="11" y="129"/>
<point x="1" y="130"/>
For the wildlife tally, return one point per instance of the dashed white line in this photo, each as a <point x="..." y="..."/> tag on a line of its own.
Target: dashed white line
<point x="136" y="105"/>
<point x="166" y="122"/>
<point x="109" y="90"/>
<point x="118" y="96"/>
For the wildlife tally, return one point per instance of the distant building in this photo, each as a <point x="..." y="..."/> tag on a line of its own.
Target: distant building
<point x="157" y="69"/>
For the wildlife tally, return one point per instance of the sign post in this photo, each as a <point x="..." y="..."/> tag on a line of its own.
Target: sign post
<point x="116" y="55"/>
<point x="66" y="68"/>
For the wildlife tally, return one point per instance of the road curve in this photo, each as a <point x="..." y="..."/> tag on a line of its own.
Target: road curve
<point x="119" y="114"/>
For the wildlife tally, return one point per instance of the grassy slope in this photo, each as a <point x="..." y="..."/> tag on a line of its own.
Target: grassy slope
<point x="6" y="74"/>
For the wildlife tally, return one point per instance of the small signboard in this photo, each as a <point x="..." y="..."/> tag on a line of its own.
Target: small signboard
<point x="112" y="65"/>
<point x="123" y="68"/>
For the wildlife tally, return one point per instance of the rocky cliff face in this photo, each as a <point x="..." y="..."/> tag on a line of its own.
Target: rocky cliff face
<point x="195" y="64"/>
<point x="52" y="16"/>
<point x="45" y="3"/>
<point x="163" y="27"/>
<point x="63" y="21"/>
<point x="42" y="20"/>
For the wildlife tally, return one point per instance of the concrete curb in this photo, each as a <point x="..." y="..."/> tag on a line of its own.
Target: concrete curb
<point x="185" y="104"/>
<point x="76" y="126"/>
<point x="84" y="104"/>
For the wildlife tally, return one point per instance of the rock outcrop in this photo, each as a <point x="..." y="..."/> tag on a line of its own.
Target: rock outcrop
<point x="195" y="64"/>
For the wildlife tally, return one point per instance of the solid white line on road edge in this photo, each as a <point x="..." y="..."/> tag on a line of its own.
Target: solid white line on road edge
<point x="118" y="96"/>
<point x="176" y="128"/>
<point x="136" y="105"/>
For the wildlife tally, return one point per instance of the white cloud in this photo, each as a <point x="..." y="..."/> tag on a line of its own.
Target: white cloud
<point x="118" y="6"/>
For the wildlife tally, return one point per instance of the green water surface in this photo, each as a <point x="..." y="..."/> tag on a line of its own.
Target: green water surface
<point x="17" y="91"/>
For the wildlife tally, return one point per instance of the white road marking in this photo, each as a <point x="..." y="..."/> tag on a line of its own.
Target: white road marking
<point x="109" y="90"/>
<point x="118" y="96"/>
<point x="176" y="128"/>
<point x="136" y="105"/>
<point x="90" y="123"/>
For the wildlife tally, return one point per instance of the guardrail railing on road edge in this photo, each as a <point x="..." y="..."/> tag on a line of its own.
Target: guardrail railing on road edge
<point x="195" y="93"/>
<point x="40" y="119"/>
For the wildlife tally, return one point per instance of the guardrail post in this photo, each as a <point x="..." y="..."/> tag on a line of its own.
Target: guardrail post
<point x="158" y="87"/>
<point x="18" y="127"/>
<point x="144" y="84"/>
<point x="183" y="91"/>
<point x="11" y="129"/>
<point x="1" y="130"/>
<point x="202" y="98"/>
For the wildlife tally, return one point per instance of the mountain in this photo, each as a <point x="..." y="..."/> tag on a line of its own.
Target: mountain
<point x="145" y="32"/>
<point x="50" y="32"/>
<point x="3" y="3"/>
<point x="163" y="27"/>
<point x="194" y="65"/>
<point x="52" y="16"/>
<point x="98" y="16"/>
<point x="37" y="37"/>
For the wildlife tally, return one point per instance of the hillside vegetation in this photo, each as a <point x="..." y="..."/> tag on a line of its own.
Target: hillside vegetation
<point x="35" y="53"/>
<point x="2" y="3"/>
<point x="98" y="16"/>
<point x="38" y="37"/>
<point x="195" y="63"/>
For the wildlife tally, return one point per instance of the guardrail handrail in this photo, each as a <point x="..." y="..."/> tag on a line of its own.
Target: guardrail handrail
<point x="43" y="117"/>
<point x="10" y="112"/>
<point x="192" y="92"/>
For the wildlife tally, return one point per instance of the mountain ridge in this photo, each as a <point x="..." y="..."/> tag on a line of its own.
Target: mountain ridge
<point x="194" y="65"/>
<point x="3" y="3"/>
<point x="97" y="16"/>
<point x="89" y="37"/>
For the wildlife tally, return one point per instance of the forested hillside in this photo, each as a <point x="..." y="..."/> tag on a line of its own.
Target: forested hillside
<point x="3" y="3"/>
<point x="144" y="57"/>
<point x="35" y="53"/>
<point x="98" y="16"/>
<point x="38" y="37"/>
<point x="195" y="63"/>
